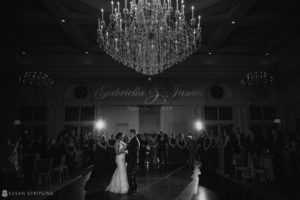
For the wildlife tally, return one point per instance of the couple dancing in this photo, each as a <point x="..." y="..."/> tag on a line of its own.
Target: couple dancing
<point x="124" y="180"/>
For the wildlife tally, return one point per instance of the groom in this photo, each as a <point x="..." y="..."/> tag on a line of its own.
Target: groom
<point x="131" y="159"/>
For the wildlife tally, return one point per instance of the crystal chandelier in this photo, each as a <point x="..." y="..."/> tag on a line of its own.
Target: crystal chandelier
<point x="36" y="80"/>
<point x="257" y="81"/>
<point x="149" y="36"/>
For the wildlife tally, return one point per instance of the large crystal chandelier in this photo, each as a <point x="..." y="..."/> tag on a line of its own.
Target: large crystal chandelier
<point x="149" y="36"/>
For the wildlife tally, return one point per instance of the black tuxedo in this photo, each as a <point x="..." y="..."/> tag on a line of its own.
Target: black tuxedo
<point x="131" y="159"/>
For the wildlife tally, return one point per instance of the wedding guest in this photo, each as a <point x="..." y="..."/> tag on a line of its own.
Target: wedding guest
<point x="172" y="148"/>
<point x="70" y="155"/>
<point x="100" y="154"/>
<point x="91" y="149"/>
<point x="277" y="151"/>
<point x="142" y="153"/>
<point x="228" y="152"/>
<point x="182" y="151"/>
<point x="85" y="149"/>
<point x="111" y="152"/>
<point x="191" y="150"/>
<point x="154" y="143"/>
<point x="209" y="145"/>
<point x="162" y="149"/>
<point x="200" y="148"/>
<point x="12" y="169"/>
<point x="219" y="145"/>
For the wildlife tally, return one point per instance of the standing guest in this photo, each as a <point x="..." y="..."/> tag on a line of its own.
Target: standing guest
<point x="277" y="151"/>
<point x="228" y="152"/>
<point x="100" y="154"/>
<point x="182" y="151"/>
<point x="142" y="154"/>
<point x="61" y="149"/>
<point x="236" y="146"/>
<point x="10" y="168"/>
<point x="70" y="155"/>
<point x="292" y="148"/>
<point x="162" y="149"/>
<point x="172" y="148"/>
<point x="154" y="143"/>
<point x="200" y="148"/>
<point x="191" y="148"/>
<point x="29" y="156"/>
<point x="208" y="151"/>
<point x="111" y="152"/>
<point x="91" y="149"/>
<point x="219" y="144"/>
<point x="85" y="150"/>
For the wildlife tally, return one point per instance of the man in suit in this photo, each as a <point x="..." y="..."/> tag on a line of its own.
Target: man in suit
<point x="131" y="159"/>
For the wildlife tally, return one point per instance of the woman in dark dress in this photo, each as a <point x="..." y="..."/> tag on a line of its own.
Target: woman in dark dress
<point x="111" y="152"/>
<point x="142" y="153"/>
<point x="100" y="154"/>
<point x="172" y="148"/>
<point x="181" y="149"/>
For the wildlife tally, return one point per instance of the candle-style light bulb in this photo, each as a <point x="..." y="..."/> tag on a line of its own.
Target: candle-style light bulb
<point x="102" y="11"/>
<point x="112" y="7"/>
<point x="193" y="12"/>
<point x="118" y="7"/>
<point x="199" y="18"/>
<point x="176" y="5"/>
<point x="125" y="4"/>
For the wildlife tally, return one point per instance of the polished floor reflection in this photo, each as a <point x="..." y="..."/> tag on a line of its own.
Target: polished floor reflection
<point x="173" y="183"/>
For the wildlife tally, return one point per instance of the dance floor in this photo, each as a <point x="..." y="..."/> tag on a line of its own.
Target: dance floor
<point x="176" y="183"/>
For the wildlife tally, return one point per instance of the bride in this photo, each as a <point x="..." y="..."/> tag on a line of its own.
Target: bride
<point x="119" y="182"/>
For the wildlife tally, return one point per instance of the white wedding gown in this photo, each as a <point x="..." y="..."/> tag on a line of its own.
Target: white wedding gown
<point x="119" y="182"/>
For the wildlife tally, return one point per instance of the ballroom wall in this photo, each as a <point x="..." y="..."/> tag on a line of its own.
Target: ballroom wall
<point x="177" y="113"/>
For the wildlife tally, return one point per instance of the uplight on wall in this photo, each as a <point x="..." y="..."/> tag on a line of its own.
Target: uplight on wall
<point x="100" y="125"/>
<point x="199" y="126"/>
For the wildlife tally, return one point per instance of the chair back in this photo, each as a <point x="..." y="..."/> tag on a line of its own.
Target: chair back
<point x="43" y="165"/>
<point x="258" y="162"/>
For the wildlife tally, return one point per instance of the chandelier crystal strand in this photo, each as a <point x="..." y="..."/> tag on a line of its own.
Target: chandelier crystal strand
<point x="149" y="36"/>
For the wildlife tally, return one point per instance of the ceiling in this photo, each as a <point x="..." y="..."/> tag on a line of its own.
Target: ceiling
<point x="265" y="35"/>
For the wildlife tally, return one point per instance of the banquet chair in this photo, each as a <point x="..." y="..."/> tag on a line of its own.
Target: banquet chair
<point x="260" y="170"/>
<point x="61" y="169"/>
<point x="42" y="169"/>
<point x="246" y="171"/>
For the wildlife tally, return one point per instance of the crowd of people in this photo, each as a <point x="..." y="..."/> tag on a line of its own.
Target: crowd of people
<point x="215" y="151"/>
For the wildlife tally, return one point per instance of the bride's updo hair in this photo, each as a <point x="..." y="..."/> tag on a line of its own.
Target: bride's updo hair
<point x="119" y="135"/>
